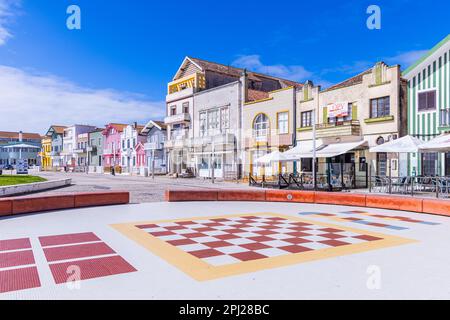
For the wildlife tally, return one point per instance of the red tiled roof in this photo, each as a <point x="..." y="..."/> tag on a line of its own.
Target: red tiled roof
<point x="349" y="82"/>
<point x="15" y="135"/>
<point x="59" y="129"/>
<point x="254" y="95"/>
<point x="236" y="72"/>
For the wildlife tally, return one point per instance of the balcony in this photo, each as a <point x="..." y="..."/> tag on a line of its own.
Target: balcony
<point x="178" y="118"/>
<point x="54" y="154"/>
<point x="180" y="95"/>
<point x="153" y="146"/>
<point x="338" y="129"/>
<point x="92" y="149"/>
<point x="78" y="151"/>
<point x="218" y="140"/>
<point x="444" y="118"/>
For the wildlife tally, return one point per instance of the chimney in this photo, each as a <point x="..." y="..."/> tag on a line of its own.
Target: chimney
<point x="244" y="82"/>
<point x="20" y="136"/>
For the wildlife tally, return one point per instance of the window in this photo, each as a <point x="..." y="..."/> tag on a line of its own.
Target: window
<point x="283" y="122"/>
<point x="427" y="100"/>
<point x="306" y="119"/>
<point x="213" y="122"/>
<point x="429" y="161"/>
<point x="380" y="107"/>
<point x="173" y="110"/>
<point x="261" y="125"/>
<point x="203" y="124"/>
<point x="224" y="119"/>
<point x="128" y="144"/>
<point x="186" y="107"/>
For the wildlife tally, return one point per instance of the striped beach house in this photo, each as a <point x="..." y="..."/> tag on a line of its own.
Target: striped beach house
<point x="429" y="107"/>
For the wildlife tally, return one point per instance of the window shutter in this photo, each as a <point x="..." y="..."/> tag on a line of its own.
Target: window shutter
<point x="354" y="111"/>
<point x="325" y="115"/>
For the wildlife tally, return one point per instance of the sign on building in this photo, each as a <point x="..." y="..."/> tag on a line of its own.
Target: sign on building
<point x="337" y="109"/>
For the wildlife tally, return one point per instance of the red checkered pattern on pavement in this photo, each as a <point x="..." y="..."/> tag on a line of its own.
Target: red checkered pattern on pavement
<point x="223" y="241"/>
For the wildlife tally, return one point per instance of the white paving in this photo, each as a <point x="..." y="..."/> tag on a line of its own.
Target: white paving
<point x="417" y="270"/>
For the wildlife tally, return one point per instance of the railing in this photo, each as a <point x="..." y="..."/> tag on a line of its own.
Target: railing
<point x="444" y="118"/>
<point x="338" y="124"/>
<point x="438" y="186"/>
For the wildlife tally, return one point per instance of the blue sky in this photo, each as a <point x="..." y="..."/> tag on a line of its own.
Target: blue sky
<point x="127" y="51"/>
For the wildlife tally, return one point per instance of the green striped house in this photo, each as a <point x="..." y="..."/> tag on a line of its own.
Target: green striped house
<point x="429" y="107"/>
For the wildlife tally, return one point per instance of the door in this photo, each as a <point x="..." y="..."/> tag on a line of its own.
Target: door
<point x="447" y="164"/>
<point x="381" y="164"/>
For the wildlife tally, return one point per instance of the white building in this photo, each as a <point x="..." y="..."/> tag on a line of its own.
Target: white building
<point x="71" y="150"/>
<point x="204" y="116"/>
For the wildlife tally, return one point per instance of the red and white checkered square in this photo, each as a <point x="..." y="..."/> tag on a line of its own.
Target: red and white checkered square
<point x="223" y="241"/>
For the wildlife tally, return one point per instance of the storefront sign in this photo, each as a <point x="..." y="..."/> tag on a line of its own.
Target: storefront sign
<point x="337" y="110"/>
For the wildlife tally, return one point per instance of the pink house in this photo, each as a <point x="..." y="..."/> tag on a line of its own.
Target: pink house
<point x="112" y="147"/>
<point x="141" y="159"/>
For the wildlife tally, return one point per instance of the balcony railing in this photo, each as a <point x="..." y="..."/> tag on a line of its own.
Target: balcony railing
<point x="444" y="118"/>
<point x="178" y="118"/>
<point x="340" y="128"/>
<point x="153" y="146"/>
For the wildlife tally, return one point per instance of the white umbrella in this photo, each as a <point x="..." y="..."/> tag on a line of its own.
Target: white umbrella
<point x="439" y="144"/>
<point x="275" y="156"/>
<point x="404" y="144"/>
<point x="303" y="150"/>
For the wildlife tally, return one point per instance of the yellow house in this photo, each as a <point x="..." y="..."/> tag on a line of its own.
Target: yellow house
<point x="268" y="125"/>
<point x="45" y="154"/>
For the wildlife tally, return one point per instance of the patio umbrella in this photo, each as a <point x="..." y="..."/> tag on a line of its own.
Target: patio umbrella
<point x="303" y="150"/>
<point x="438" y="144"/>
<point x="275" y="156"/>
<point x="404" y="144"/>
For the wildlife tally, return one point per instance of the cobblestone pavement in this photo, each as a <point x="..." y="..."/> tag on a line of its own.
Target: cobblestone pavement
<point x="142" y="189"/>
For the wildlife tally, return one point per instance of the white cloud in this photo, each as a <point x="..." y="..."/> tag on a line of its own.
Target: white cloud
<point x="290" y="72"/>
<point x="406" y="59"/>
<point x="32" y="102"/>
<point x="7" y="10"/>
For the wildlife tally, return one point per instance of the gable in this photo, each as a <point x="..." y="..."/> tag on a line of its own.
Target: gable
<point x="187" y="68"/>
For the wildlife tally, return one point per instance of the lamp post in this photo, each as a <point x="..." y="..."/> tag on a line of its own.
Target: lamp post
<point x="314" y="149"/>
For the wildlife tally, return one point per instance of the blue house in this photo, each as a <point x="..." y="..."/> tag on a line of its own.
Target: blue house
<point x="18" y="145"/>
<point x="156" y="132"/>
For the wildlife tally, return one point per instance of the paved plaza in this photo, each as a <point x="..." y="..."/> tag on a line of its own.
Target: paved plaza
<point x="225" y="250"/>
<point x="142" y="189"/>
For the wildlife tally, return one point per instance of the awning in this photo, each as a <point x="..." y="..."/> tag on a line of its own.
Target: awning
<point x="303" y="148"/>
<point x="336" y="149"/>
<point x="439" y="144"/>
<point x="404" y="144"/>
<point x="22" y="145"/>
<point x="275" y="156"/>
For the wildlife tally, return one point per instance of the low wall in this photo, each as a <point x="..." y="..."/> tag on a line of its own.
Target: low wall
<point x="22" y="205"/>
<point x="430" y="206"/>
<point x="33" y="187"/>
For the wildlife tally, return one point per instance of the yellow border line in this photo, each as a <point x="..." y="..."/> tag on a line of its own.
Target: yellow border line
<point x="202" y="271"/>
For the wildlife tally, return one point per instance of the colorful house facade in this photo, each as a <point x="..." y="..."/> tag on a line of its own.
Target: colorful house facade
<point x="156" y="132"/>
<point x="205" y="102"/>
<point x="95" y="151"/>
<point x="132" y="149"/>
<point x="112" y="146"/>
<point x="429" y="107"/>
<point x="269" y="124"/>
<point x="73" y="153"/>
<point x="15" y="146"/>
<point x="352" y="116"/>
<point x="45" y="154"/>
<point x="56" y="134"/>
